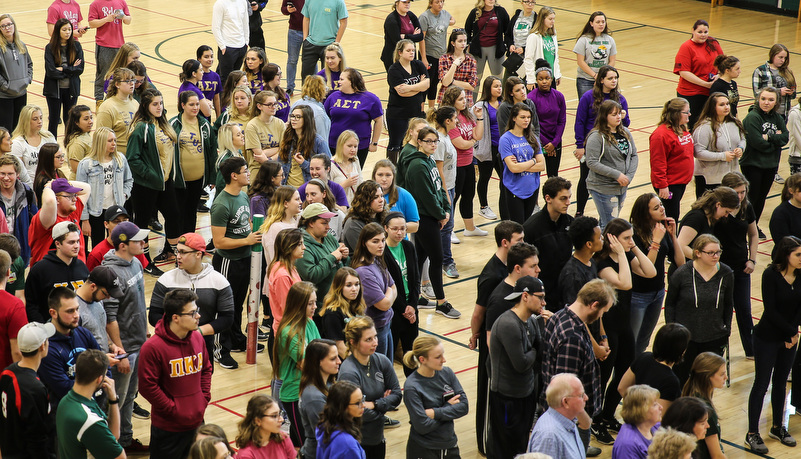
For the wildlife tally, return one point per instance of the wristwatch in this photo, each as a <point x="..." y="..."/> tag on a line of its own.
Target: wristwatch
<point x="375" y="144"/>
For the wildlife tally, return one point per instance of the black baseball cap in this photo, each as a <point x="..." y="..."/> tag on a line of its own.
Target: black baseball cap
<point x="525" y="284"/>
<point x="115" y="211"/>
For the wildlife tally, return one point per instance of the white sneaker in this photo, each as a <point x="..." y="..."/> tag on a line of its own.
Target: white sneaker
<point x="778" y="179"/>
<point x="454" y="239"/>
<point x="427" y="290"/>
<point x="487" y="213"/>
<point x="475" y="232"/>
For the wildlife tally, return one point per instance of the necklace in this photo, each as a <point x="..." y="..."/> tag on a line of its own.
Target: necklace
<point x="368" y="367"/>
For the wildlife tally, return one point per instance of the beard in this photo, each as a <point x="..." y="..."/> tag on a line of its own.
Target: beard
<point x="65" y="325"/>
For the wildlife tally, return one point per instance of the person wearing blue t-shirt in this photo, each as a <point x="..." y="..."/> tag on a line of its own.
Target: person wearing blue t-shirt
<point x="523" y="161"/>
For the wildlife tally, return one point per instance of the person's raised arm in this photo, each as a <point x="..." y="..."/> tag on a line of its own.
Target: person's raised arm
<point x="48" y="212"/>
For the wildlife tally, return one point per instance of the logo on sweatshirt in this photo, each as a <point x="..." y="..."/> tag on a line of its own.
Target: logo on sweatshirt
<point x="186" y="366"/>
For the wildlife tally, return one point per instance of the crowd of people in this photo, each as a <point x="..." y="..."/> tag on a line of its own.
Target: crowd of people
<point x="566" y="307"/>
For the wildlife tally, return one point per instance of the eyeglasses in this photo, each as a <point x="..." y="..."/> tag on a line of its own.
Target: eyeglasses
<point x="713" y="254"/>
<point x="685" y="113"/>
<point x="430" y="142"/>
<point x="295" y="117"/>
<point x="525" y="2"/>
<point x="139" y="82"/>
<point x="71" y="197"/>
<point x="281" y="414"/>
<point x="6" y="26"/>
<point x="60" y="156"/>
<point x="192" y="313"/>
<point x="131" y="81"/>
<point x="581" y="395"/>
<point x="184" y="253"/>
<point x="271" y="104"/>
<point x="360" y="403"/>
<point x="8" y="174"/>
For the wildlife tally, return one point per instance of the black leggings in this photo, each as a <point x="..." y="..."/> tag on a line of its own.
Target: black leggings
<point x="433" y="75"/>
<point x="404" y="333"/>
<point x="772" y="364"/>
<point x="621" y="345"/>
<point x="466" y="189"/>
<point x="520" y="208"/>
<point x="147" y="200"/>
<point x="188" y="198"/>
<point x="428" y="244"/>
<point x="696" y="106"/>
<point x="362" y="155"/>
<point x="673" y="205"/>
<point x="296" y="433"/>
<point x="760" y="182"/>
<point x="378" y="451"/>
<point x="98" y="228"/>
<point x="497" y="164"/>
<point x="59" y="106"/>
<point x="484" y="177"/>
<point x="582" y="194"/>
<point x="552" y="163"/>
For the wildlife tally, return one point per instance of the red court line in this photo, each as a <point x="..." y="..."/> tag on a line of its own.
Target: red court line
<point x="162" y="31"/>
<point x="456" y="331"/>
<point x="240" y="394"/>
<point x="466" y="369"/>
<point x="227" y="409"/>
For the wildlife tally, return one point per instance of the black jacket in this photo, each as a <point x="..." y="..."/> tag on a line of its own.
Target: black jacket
<point x="392" y="27"/>
<point x="510" y="29"/>
<point x="412" y="280"/>
<point x="53" y="75"/>
<point x="48" y="273"/>
<point x="471" y="26"/>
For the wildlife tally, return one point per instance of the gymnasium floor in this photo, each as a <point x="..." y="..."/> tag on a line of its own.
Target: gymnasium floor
<point x="648" y="35"/>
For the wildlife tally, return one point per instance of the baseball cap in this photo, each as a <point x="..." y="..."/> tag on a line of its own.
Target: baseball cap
<point x="115" y="211"/>
<point x="32" y="335"/>
<point x="525" y="284"/>
<point x="61" y="228"/>
<point x="317" y="210"/>
<point x="62" y="185"/>
<point x="126" y="232"/>
<point x="103" y="276"/>
<point x="194" y="241"/>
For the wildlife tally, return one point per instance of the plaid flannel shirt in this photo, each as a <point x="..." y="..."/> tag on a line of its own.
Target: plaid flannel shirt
<point x="763" y="77"/>
<point x="467" y="72"/>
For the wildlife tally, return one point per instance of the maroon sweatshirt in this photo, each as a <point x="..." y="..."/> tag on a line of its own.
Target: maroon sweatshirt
<point x="175" y="377"/>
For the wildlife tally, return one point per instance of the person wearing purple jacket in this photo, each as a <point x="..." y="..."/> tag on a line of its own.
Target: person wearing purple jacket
<point x="605" y="88"/>
<point x="552" y="115"/>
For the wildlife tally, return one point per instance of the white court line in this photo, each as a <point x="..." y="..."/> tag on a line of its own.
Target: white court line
<point x="29" y="11"/>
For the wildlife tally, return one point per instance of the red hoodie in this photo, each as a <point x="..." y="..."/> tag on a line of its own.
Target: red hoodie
<point x="672" y="160"/>
<point x="175" y="377"/>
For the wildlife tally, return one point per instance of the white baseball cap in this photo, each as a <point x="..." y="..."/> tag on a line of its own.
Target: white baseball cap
<point x="33" y="335"/>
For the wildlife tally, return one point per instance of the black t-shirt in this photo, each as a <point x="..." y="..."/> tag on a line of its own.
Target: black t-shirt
<point x="697" y="220"/>
<point x="555" y="248"/>
<point x="619" y="316"/>
<point x="784" y="221"/>
<point x="333" y="322"/>
<point x="644" y="284"/>
<point x="733" y="234"/>
<point x="497" y="305"/>
<point x="405" y="107"/>
<point x="661" y="377"/>
<point x="731" y="91"/>
<point x="573" y="276"/>
<point x="27" y="425"/>
<point x="494" y="273"/>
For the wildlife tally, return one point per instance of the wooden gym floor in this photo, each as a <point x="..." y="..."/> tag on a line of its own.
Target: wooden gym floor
<point x="648" y="35"/>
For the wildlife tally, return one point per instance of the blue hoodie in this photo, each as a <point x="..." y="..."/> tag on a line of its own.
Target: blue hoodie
<point x="57" y="370"/>
<point x="341" y="446"/>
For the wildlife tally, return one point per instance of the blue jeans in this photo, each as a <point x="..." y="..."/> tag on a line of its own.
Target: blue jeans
<point x="742" y="309"/>
<point x="294" y="40"/>
<point x="583" y="86"/>
<point x="127" y="386"/>
<point x="603" y="202"/>
<point x="384" y="336"/>
<point x="445" y="233"/>
<point x="645" y="310"/>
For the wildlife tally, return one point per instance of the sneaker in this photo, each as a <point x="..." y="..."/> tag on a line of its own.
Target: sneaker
<point x="755" y="443"/>
<point x="451" y="271"/>
<point x="390" y="423"/>
<point x="601" y="434"/>
<point x="155" y="225"/>
<point x="454" y="239"/>
<point x="165" y="257"/>
<point x="227" y="362"/>
<point x="612" y="425"/>
<point x="244" y="348"/>
<point x="778" y="179"/>
<point x="487" y="213"/>
<point x="263" y="335"/>
<point x="425" y="303"/>
<point x="153" y="270"/>
<point x="593" y="451"/>
<point x="762" y="236"/>
<point x="136" y="447"/>
<point x="781" y="434"/>
<point x="475" y="232"/>
<point x="448" y="311"/>
<point x="428" y="291"/>
<point x="139" y="412"/>
<point x="202" y="207"/>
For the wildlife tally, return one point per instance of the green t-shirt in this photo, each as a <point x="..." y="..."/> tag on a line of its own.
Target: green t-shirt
<point x="549" y="49"/>
<point x="232" y="212"/>
<point x="400" y="257"/>
<point x="290" y="372"/>
<point x="82" y="427"/>
<point x="16" y="281"/>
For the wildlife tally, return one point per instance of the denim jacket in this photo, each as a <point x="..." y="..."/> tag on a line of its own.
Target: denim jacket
<point x="91" y="172"/>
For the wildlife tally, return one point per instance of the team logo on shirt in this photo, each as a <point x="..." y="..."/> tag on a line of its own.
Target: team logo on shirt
<point x="601" y="53"/>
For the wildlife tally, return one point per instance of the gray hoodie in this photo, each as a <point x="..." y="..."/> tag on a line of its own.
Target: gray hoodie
<point x="130" y="311"/>
<point x="16" y="72"/>
<point x="607" y="162"/>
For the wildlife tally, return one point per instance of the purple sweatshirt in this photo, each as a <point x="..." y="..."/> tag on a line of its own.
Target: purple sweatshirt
<point x="552" y="113"/>
<point x="585" y="116"/>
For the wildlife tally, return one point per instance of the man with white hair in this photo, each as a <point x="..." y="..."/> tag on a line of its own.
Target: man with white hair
<point x="556" y="433"/>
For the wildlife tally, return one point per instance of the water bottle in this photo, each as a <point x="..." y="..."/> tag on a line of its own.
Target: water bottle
<point x="614" y="203"/>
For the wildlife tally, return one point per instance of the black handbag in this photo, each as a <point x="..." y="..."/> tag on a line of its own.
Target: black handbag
<point x="513" y="62"/>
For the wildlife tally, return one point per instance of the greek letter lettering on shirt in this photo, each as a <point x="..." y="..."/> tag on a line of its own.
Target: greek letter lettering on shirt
<point x="345" y="103"/>
<point x="191" y="140"/>
<point x="71" y="284"/>
<point x="769" y="128"/>
<point x="280" y="105"/>
<point x="412" y="80"/>
<point x="256" y="83"/>
<point x="185" y="366"/>
<point x="267" y="140"/>
<point x="207" y="86"/>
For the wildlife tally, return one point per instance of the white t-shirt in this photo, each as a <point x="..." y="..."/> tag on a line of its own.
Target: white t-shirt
<point x="29" y="154"/>
<point x="446" y="153"/>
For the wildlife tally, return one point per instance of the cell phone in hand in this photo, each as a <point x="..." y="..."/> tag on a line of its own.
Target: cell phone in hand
<point x="121" y="356"/>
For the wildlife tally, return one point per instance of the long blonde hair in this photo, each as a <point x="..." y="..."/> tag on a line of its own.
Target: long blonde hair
<point x="98" y="151"/>
<point x="121" y="58"/>
<point x="337" y="49"/>
<point x="336" y="301"/>
<point x="232" y="110"/>
<point x="17" y="42"/>
<point x="277" y="210"/>
<point x="24" y="122"/>
<point x="539" y="24"/>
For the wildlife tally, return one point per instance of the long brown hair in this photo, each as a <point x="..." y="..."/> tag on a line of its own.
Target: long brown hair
<point x="360" y="205"/>
<point x="294" y="322"/>
<point x="598" y="87"/>
<point x="607" y="108"/>
<point x="335" y="415"/>
<point x="722" y="195"/>
<point x="362" y="255"/>
<point x="709" y="112"/>
<point x="336" y="301"/>
<point x="249" y="432"/>
<point x="705" y="365"/>
<point x="317" y="350"/>
<point x="671" y="115"/>
<point x="55" y="43"/>
<point x="784" y="70"/>
<point x="291" y="142"/>
<point x="392" y="192"/>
